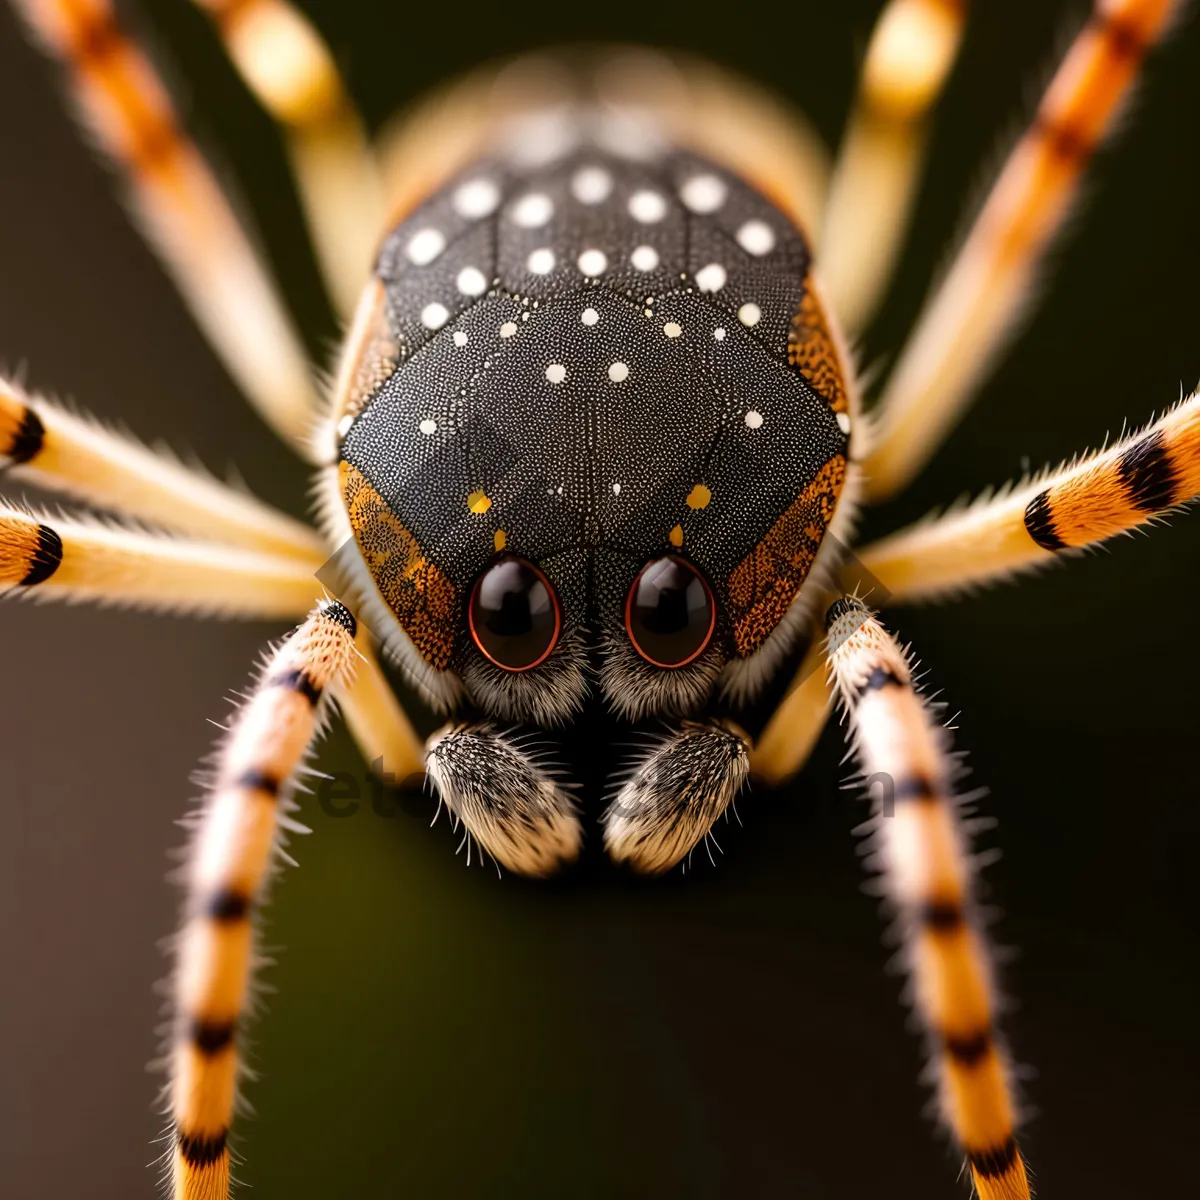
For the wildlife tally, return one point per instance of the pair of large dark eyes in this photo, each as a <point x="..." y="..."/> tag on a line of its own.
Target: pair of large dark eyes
<point x="515" y="620"/>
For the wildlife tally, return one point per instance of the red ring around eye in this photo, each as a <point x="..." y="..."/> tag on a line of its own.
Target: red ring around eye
<point x="514" y="615"/>
<point x="670" y="614"/>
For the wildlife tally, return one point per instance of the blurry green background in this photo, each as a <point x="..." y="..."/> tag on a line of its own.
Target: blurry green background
<point x="437" y="1032"/>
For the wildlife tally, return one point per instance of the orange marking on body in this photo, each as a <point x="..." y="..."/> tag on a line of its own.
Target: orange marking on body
<point x="424" y="601"/>
<point x="812" y="350"/>
<point x="763" y="585"/>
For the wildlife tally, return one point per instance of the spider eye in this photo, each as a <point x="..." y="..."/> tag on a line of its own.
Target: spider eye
<point x="670" y="614"/>
<point x="514" y="615"/>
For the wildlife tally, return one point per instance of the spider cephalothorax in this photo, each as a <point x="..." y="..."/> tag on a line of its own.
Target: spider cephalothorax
<point x="598" y="362"/>
<point x="592" y="434"/>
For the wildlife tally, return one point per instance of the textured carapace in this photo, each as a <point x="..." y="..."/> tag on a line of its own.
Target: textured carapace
<point x="593" y="360"/>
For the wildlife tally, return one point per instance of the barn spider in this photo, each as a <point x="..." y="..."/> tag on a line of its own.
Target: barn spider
<point x="525" y="512"/>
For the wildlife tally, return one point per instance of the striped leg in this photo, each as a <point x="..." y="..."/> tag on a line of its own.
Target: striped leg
<point x="922" y="852"/>
<point x="1094" y="499"/>
<point x="291" y="71"/>
<point x="181" y="207"/>
<point x="235" y="836"/>
<point x="62" y="451"/>
<point x="968" y="317"/>
<point x="912" y="49"/>
<point x="49" y="558"/>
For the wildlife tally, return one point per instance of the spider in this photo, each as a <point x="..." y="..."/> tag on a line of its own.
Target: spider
<point x="596" y="236"/>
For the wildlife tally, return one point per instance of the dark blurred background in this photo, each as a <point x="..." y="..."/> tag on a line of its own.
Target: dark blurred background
<point x="437" y="1032"/>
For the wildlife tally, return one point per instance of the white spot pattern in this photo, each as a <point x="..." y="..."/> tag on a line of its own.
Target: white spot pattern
<point x="647" y="207"/>
<point x="477" y="198"/>
<point x="471" y="281"/>
<point x="460" y="338"/>
<point x="424" y="246"/>
<point x="618" y="372"/>
<point x="711" y="278"/>
<point x="508" y="329"/>
<point x="591" y="185"/>
<point x="704" y="193"/>
<point x="672" y="330"/>
<point x="541" y="262"/>
<point x="589" y="316"/>
<point x="556" y="372"/>
<point x="749" y="314"/>
<point x="428" y="427"/>
<point x="754" y="419"/>
<point x="435" y="315"/>
<point x="644" y="258"/>
<point x="757" y="238"/>
<point x="843" y="420"/>
<point x="533" y="211"/>
<point x="593" y="263"/>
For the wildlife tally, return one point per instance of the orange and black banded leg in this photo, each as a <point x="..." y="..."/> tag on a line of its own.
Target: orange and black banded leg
<point x="922" y="853"/>
<point x="970" y="314"/>
<point x="234" y="845"/>
<point x="60" y="450"/>
<point x="48" y="558"/>
<point x="289" y="68"/>
<point x="911" y="52"/>
<point x="180" y="207"/>
<point x="1094" y="499"/>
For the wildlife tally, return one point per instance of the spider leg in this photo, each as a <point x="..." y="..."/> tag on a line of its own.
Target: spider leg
<point x="1086" y="502"/>
<point x="674" y="795"/>
<point x="911" y="52"/>
<point x="377" y="721"/>
<point x="235" y="839"/>
<point x="975" y="307"/>
<point x="65" y="559"/>
<point x="289" y="68"/>
<point x="516" y="808"/>
<point x="921" y="850"/>
<point x="63" y="451"/>
<point x="181" y="208"/>
<point x="792" y="731"/>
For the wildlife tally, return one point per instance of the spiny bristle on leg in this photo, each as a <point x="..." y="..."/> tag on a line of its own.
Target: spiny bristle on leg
<point x="674" y="796"/>
<point x="511" y="805"/>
